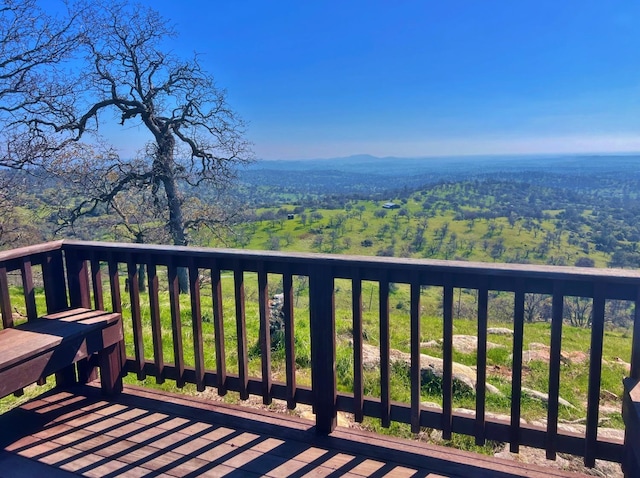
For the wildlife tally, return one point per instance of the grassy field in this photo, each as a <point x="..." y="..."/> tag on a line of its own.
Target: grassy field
<point x="364" y="228"/>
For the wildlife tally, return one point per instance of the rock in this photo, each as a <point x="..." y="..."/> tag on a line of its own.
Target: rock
<point x="431" y="344"/>
<point x="609" y="410"/>
<point x="305" y="411"/>
<point x="538" y="346"/>
<point x="535" y="355"/>
<point x="542" y="353"/>
<point x="499" y="331"/>
<point x="626" y="365"/>
<point x="493" y="389"/>
<point x="575" y="357"/>
<point x="544" y="397"/>
<point x="607" y="395"/>
<point x="537" y="351"/>
<point x="466" y="344"/>
<point x="492" y="416"/>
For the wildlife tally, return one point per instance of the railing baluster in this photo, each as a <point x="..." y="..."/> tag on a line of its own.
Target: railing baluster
<point x="116" y="299"/>
<point x="358" y="382"/>
<point x="595" y="374"/>
<point x="114" y="284"/>
<point x="415" y="354"/>
<point x="96" y="282"/>
<point x="156" y="324"/>
<point x="196" y="322"/>
<point x="265" y="333"/>
<point x="481" y="363"/>
<point x="55" y="289"/>
<point x="28" y="290"/>
<point x="78" y="280"/>
<point x="136" y="318"/>
<point x="551" y="439"/>
<point x="447" y="358"/>
<point x="385" y="346"/>
<point x="6" y="310"/>
<point x="29" y="300"/>
<point x="218" y="328"/>
<point x="5" y="300"/>
<point x="176" y="323"/>
<point x="516" y="369"/>
<point x="241" y="331"/>
<point x="289" y="339"/>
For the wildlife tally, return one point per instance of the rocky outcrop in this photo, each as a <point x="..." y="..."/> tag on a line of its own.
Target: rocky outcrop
<point x="542" y="353"/>
<point x="466" y="344"/>
<point x="499" y="331"/>
<point x="543" y="397"/>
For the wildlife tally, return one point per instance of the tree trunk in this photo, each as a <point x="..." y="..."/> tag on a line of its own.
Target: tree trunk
<point x="142" y="282"/>
<point x="174" y="204"/>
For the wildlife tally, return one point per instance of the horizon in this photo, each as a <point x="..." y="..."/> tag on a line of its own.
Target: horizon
<point x="592" y="155"/>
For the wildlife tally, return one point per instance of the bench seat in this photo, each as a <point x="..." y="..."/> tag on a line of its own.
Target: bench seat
<point x="48" y="344"/>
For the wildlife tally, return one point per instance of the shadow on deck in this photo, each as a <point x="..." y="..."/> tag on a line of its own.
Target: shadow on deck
<point x="145" y="432"/>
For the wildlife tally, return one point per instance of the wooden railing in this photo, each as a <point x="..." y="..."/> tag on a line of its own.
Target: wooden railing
<point x="93" y="275"/>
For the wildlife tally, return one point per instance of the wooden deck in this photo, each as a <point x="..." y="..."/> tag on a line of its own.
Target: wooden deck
<point x="144" y="432"/>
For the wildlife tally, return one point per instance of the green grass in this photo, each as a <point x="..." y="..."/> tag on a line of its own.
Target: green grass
<point x="395" y="233"/>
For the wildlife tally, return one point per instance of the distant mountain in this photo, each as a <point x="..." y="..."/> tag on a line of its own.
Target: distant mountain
<point x="455" y="165"/>
<point x="363" y="173"/>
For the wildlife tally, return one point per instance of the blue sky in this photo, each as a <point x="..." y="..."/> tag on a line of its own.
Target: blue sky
<point x="421" y="78"/>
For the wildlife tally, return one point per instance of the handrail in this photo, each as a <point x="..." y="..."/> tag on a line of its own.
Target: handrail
<point x="90" y="264"/>
<point x="30" y="250"/>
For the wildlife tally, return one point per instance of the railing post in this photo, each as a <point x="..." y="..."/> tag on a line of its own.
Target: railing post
<point x="78" y="279"/>
<point x="323" y="348"/>
<point x="55" y="290"/>
<point x="630" y="409"/>
<point x="79" y="296"/>
<point x="5" y="300"/>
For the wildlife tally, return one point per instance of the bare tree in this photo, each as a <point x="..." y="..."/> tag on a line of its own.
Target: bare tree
<point x="33" y="51"/>
<point x="578" y="310"/>
<point x="194" y="137"/>
<point x="33" y="48"/>
<point x="534" y="306"/>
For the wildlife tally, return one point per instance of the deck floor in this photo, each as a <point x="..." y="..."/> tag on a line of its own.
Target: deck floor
<point x="144" y="432"/>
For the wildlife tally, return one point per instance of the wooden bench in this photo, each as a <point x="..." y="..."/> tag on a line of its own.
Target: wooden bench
<point x="53" y="343"/>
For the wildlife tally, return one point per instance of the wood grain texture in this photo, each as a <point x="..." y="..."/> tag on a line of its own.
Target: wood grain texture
<point x="289" y="339"/>
<point x="196" y="324"/>
<point x="358" y="379"/>
<point x="218" y="328"/>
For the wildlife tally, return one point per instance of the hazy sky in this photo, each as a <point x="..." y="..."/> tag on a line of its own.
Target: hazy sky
<point x="420" y="78"/>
